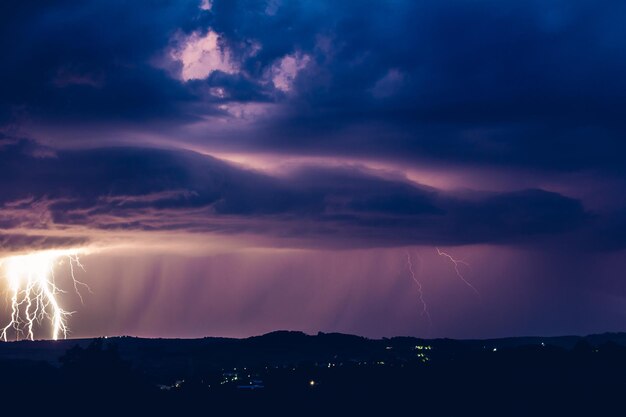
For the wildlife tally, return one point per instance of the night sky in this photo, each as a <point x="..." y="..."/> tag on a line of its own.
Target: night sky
<point x="240" y="166"/>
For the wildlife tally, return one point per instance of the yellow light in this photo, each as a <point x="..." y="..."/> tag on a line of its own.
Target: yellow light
<point x="34" y="293"/>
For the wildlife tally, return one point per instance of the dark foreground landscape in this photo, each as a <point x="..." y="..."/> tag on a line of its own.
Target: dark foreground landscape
<point x="290" y="373"/>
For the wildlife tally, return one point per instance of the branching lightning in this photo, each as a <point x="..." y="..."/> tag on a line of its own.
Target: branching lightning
<point x="34" y="293"/>
<point x="420" y="291"/>
<point x="456" y="263"/>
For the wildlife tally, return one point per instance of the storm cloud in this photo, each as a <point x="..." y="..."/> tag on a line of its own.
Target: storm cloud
<point x="481" y="83"/>
<point x="151" y="189"/>
<point x="296" y="128"/>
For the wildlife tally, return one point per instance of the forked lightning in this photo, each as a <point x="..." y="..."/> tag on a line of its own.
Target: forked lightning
<point x="420" y="291"/>
<point x="34" y="293"/>
<point x="456" y="263"/>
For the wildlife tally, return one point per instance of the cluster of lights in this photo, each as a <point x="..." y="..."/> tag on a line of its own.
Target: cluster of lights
<point x="421" y="355"/>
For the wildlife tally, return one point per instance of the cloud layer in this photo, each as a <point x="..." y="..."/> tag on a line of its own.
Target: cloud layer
<point x="483" y="83"/>
<point x="150" y="189"/>
<point x="370" y="126"/>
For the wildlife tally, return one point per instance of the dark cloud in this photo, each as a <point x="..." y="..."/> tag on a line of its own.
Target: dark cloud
<point x="89" y="61"/>
<point x="149" y="189"/>
<point x="484" y="83"/>
<point x="529" y="85"/>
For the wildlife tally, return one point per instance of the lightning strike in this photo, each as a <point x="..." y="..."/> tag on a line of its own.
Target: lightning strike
<point x="420" y="291"/>
<point x="34" y="293"/>
<point x="456" y="263"/>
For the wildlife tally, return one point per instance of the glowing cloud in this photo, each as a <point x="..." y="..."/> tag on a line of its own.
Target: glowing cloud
<point x="286" y="70"/>
<point x="206" y="4"/>
<point x="200" y="55"/>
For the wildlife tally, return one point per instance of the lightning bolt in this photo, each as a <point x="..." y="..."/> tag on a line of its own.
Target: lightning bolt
<point x="75" y="261"/>
<point x="420" y="291"/>
<point x="456" y="263"/>
<point x="34" y="293"/>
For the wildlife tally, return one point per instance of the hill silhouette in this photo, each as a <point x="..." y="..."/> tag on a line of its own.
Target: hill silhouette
<point x="292" y="373"/>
